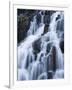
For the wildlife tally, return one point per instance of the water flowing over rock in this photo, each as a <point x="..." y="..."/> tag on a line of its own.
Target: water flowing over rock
<point x="40" y="54"/>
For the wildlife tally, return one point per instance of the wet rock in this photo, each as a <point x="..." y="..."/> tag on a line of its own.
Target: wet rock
<point x="38" y="18"/>
<point x="50" y="74"/>
<point x="37" y="46"/>
<point x="45" y="29"/>
<point x="23" y="26"/>
<point x="58" y="17"/>
<point x="48" y="48"/>
<point x="53" y="58"/>
<point x="42" y="12"/>
<point x="24" y="17"/>
<point x="49" y="12"/>
<point x="47" y="17"/>
<point x="60" y="25"/>
<point x="62" y="45"/>
<point x="26" y="12"/>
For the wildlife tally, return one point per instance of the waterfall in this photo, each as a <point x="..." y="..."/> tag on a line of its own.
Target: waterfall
<point x="40" y="55"/>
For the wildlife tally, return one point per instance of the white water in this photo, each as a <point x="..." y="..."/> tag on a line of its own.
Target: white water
<point x="31" y="69"/>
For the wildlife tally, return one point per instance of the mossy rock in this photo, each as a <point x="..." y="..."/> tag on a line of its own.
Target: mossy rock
<point x="23" y="18"/>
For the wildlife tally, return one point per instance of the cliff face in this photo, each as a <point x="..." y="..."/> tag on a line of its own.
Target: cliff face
<point x="24" y="17"/>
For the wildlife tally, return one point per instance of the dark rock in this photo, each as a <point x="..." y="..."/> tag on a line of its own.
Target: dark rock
<point x="50" y="74"/>
<point x="38" y="18"/>
<point x="45" y="29"/>
<point x="24" y="17"/>
<point x="58" y="17"/>
<point x="48" y="16"/>
<point x="62" y="25"/>
<point x="23" y="25"/>
<point x="48" y="48"/>
<point x="47" y="19"/>
<point x="54" y="58"/>
<point x="41" y="57"/>
<point x="42" y="12"/>
<point x="49" y="12"/>
<point x="26" y="12"/>
<point x="62" y="45"/>
<point x="37" y="46"/>
<point x="46" y="12"/>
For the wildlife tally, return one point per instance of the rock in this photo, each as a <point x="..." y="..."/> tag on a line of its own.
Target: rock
<point x="60" y="25"/>
<point x="24" y="17"/>
<point x="37" y="46"/>
<point x="47" y="17"/>
<point x="48" y="48"/>
<point x="53" y="58"/>
<point x="42" y="12"/>
<point x="58" y="17"/>
<point x="23" y="26"/>
<point x="50" y="74"/>
<point x="38" y="17"/>
<point x="26" y="12"/>
<point x="45" y="29"/>
<point x="62" y="45"/>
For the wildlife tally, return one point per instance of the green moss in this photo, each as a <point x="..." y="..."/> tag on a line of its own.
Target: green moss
<point x="23" y="18"/>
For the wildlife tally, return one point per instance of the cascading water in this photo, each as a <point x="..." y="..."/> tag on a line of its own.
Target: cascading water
<point x="39" y="55"/>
